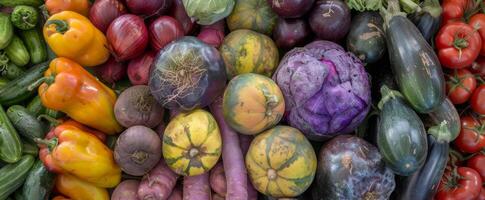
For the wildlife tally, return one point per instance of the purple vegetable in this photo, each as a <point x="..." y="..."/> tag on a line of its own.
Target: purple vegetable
<point x="338" y="98"/>
<point x="290" y="32"/>
<point x="330" y="19"/>
<point x="290" y="8"/>
<point x="126" y="190"/>
<point x="159" y="183"/>
<point x="197" y="187"/>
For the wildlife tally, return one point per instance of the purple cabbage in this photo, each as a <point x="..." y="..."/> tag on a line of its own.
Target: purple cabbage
<point x="326" y="89"/>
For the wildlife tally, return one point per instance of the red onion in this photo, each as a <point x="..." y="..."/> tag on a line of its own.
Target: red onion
<point x="111" y="71"/>
<point x="291" y="32"/>
<point x="148" y="7"/>
<point x="178" y="12"/>
<point x="139" y="68"/>
<point x="103" y="12"/>
<point x="164" y="30"/>
<point x="211" y="37"/>
<point x="290" y="8"/>
<point x="127" y="36"/>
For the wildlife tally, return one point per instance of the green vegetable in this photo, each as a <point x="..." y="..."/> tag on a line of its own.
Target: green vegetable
<point x="11" y="71"/>
<point x="39" y="183"/>
<point x="35" y="106"/>
<point x="410" y="6"/>
<point x="24" y="17"/>
<point x="35" y="44"/>
<point x="210" y="11"/>
<point x="364" y="5"/>
<point x="13" y="3"/>
<point x="10" y="148"/>
<point x="54" y="113"/>
<point x="17" y="91"/>
<point x="444" y="122"/>
<point x="3" y="81"/>
<point x="18" y="194"/>
<point x="26" y="123"/>
<point x="30" y="148"/>
<point x="6" y="30"/>
<point x="17" y="52"/>
<point x="12" y="176"/>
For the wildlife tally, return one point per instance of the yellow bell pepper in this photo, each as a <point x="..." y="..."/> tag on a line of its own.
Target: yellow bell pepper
<point x="72" y="150"/>
<point x="69" y="88"/>
<point x="73" y="36"/>
<point x="77" y="189"/>
<point x="79" y="6"/>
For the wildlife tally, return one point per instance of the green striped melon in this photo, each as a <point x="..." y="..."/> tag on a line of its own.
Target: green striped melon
<point x="281" y="162"/>
<point x="256" y="15"/>
<point x="246" y="51"/>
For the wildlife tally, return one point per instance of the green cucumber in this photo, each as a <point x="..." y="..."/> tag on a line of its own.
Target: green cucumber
<point x="17" y="52"/>
<point x="54" y="113"/>
<point x="39" y="183"/>
<point x="10" y="146"/>
<point x="13" y="3"/>
<point x="35" y="44"/>
<point x="26" y="123"/>
<point x="35" y="106"/>
<point x="3" y="81"/>
<point x="12" y="176"/>
<point x="30" y="148"/>
<point x="6" y="29"/>
<point x="16" y="91"/>
<point x="24" y="17"/>
<point x="11" y="71"/>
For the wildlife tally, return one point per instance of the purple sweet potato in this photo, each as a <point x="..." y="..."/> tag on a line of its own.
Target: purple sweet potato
<point x="126" y="190"/>
<point x="217" y="179"/>
<point x="158" y="184"/>
<point x="176" y="194"/>
<point x="197" y="187"/>
<point x="216" y="196"/>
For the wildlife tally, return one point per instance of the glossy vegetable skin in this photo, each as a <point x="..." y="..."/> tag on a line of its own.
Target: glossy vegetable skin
<point x="330" y="19"/>
<point x="471" y="138"/>
<point x="460" y="85"/>
<point x="35" y="45"/>
<point x="444" y="122"/>
<point x="478" y="100"/>
<point x="461" y="183"/>
<point x="24" y="17"/>
<point x="458" y="45"/>
<point x="366" y="38"/>
<point x="11" y="148"/>
<point x="428" y="19"/>
<point x="77" y="189"/>
<point x="6" y="30"/>
<point x="17" y="52"/>
<point x="57" y="6"/>
<point x="26" y="123"/>
<point x="39" y="182"/>
<point x="423" y="184"/>
<point x="410" y="56"/>
<point x="13" y="175"/>
<point x="401" y="136"/>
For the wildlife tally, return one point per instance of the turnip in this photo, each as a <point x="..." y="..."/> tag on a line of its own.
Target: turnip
<point x="158" y="184"/>
<point x="138" y="150"/>
<point x="136" y="106"/>
<point x="126" y="190"/>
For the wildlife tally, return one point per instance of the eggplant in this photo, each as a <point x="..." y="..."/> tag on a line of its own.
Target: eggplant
<point x="427" y="19"/>
<point x="446" y="115"/>
<point x="366" y="37"/>
<point x="423" y="184"/>
<point x="401" y="137"/>
<point x="415" y="66"/>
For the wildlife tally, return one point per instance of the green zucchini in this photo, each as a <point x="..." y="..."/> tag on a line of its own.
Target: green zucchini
<point x="10" y="146"/>
<point x="6" y="29"/>
<point x="11" y="71"/>
<point x="366" y="37"/>
<point x="12" y="176"/>
<point x="401" y="137"/>
<point x="30" y="148"/>
<point x="35" y="106"/>
<point x="17" y="52"/>
<point x="39" y="183"/>
<point x="26" y="123"/>
<point x="17" y="91"/>
<point x="416" y="68"/>
<point x="3" y="81"/>
<point x="13" y="3"/>
<point x="24" y="17"/>
<point x="35" y="44"/>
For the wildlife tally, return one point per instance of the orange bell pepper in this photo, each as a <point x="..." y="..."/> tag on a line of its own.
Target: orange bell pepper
<point x="60" y="198"/>
<point x="73" y="36"/>
<point x="69" y="149"/>
<point x="56" y="6"/>
<point x="77" y="189"/>
<point x="69" y="88"/>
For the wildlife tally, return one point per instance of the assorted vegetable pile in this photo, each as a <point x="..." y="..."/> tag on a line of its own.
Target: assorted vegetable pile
<point x="242" y="99"/>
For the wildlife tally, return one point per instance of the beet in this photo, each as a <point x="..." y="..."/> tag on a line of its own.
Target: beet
<point x="289" y="33"/>
<point x="138" y="150"/>
<point x="126" y="190"/>
<point x="330" y="19"/>
<point x="290" y="8"/>
<point x="136" y="106"/>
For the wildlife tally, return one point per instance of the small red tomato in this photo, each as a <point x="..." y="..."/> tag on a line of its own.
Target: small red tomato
<point x="477" y="162"/>
<point x="478" y="21"/>
<point x="463" y="184"/>
<point x="470" y="139"/>
<point x="458" y="45"/>
<point x="478" y="100"/>
<point x="460" y="85"/>
<point x="478" y="67"/>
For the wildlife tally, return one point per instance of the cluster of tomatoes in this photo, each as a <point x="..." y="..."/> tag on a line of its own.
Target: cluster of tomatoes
<point x="460" y="45"/>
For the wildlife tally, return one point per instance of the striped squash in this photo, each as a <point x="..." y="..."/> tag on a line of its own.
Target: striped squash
<point x="246" y="51"/>
<point x="256" y="15"/>
<point x="252" y="103"/>
<point x="281" y="162"/>
<point x="192" y="143"/>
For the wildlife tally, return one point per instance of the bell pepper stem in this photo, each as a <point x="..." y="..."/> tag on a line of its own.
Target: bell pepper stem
<point x="47" y="79"/>
<point x="52" y="121"/>
<point x="61" y="25"/>
<point x="51" y="144"/>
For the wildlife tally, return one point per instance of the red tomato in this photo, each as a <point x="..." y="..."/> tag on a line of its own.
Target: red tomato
<point x="458" y="45"/>
<point x="477" y="162"/>
<point x="455" y="9"/>
<point x="478" y="22"/>
<point x="460" y="85"/>
<point x="478" y="67"/>
<point x="465" y="185"/>
<point x="478" y="100"/>
<point x="470" y="139"/>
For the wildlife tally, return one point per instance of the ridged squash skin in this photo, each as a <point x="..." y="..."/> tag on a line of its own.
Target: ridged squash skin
<point x="192" y="143"/>
<point x="281" y="162"/>
<point x="246" y="51"/>
<point x="256" y="15"/>
<point x="252" y="103"/>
